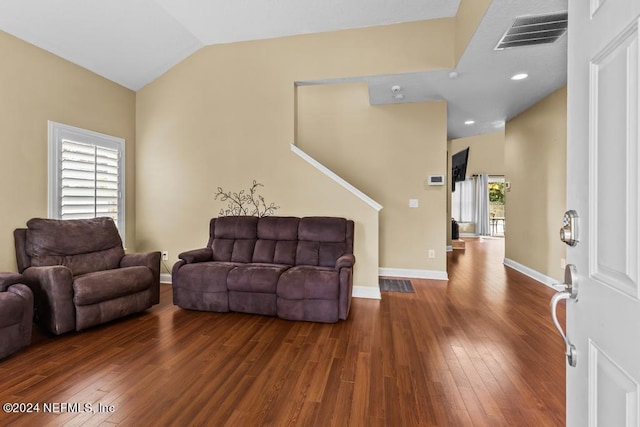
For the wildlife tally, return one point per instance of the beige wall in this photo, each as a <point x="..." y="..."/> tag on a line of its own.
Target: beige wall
<point x="222" y="117"/>
<point x="225" y="116"/>
<point x="535" y="156"/>
<point x="36" y="86"/>
<point x="387" y="152"/>
<point x="486" y="154"/>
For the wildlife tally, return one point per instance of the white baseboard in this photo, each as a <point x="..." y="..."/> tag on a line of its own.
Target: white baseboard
<point x="370" y="292"/>
<point x="413" y="273"/>
<point x="535" y="275"/>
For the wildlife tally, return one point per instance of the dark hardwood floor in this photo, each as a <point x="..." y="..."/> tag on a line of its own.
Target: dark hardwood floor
<point x="478" y="350"/>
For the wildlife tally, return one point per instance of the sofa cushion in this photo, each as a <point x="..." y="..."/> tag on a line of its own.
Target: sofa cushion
<point x="321" y="254"/>
<point x="307" y="282"/>
<point x="204" y="276"/>
<point x="277" y="240"/>
<point x="255" y="278"/>
<point x="233" y="238"/>
<point x="322" y="240"/>
<point x="105" y="285"/>
<point x="278" y="228"/>
<point x="229" y="250"/>
<point x="236" y="227"/>
<point x="275" y="251"/>
<point x="78" y="236"/>
<point x="322" y="229"/>
<point x="83" y="245"/>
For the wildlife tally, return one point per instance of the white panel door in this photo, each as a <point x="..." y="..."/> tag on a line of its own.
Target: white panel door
<point x="603" y="323"/>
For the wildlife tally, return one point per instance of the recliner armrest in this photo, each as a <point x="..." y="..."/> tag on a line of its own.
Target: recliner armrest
<point x="53" y="292"/>
<point x="197" y="255"/>
<point x="346" y="260"/>
<point x="8" y="279"/>
<point x="23" y="292"/>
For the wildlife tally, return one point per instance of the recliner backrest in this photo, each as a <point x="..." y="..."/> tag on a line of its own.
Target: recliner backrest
<point x="277" y="240"/>
<point x="83" y="245"/>
<point x="316" y="241"/>
<point x="322" y="240"/>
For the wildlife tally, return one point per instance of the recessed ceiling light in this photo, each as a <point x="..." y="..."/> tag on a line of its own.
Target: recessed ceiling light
<point x="519" y="76"/>
<point x="469" y="122"/>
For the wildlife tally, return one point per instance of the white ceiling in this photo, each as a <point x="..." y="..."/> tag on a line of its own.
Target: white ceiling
<point x="132" y="42"/>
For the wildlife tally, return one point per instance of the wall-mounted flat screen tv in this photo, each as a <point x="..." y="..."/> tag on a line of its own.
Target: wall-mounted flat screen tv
<point x="459" y="167"/>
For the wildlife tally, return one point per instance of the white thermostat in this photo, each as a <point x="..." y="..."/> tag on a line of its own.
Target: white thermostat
<point x="436" y="180"/>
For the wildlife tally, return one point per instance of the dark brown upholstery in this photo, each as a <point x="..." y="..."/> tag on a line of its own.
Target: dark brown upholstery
<point x="80" y="275"/>
<point x="295" y="268"/>
<point x="16" y="314"/>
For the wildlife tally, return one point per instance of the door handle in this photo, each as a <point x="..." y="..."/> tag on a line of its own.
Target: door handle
<point x="570" y="292"/>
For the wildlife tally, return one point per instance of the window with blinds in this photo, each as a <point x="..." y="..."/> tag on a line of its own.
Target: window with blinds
<point x="89" y="181"/>
<point x="86" y="174"/>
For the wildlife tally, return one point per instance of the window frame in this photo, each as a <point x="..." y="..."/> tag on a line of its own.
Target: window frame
<point x="57" y="133"/>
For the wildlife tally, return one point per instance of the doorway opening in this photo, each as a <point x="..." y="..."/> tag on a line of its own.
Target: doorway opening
<point x="497" y="219"/>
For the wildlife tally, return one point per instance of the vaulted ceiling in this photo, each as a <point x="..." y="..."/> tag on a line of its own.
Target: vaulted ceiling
<point x="132" y="42"/>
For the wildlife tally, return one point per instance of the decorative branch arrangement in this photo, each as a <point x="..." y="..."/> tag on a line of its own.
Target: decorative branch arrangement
<point x="245" y="203"/>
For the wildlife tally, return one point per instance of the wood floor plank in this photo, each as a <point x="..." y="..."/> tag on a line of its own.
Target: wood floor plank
<point x="476" y="350"/>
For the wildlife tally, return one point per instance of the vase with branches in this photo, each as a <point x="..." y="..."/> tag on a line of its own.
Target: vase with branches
<point x="245" y="202"/>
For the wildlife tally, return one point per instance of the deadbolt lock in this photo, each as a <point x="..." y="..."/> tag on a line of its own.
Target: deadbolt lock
<point x="569" y="230"/>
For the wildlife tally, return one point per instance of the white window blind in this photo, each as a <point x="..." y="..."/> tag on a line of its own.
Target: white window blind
<point x="86" y="174"/>
<point x="89" y="181"/>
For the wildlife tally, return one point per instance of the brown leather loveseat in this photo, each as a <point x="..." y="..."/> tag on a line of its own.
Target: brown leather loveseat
<point x="80" y="275"/>
<point x="293" y="268"/>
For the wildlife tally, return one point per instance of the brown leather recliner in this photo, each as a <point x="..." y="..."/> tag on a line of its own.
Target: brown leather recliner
<point x="16" y="314"/>
<point x="80" y="275"/>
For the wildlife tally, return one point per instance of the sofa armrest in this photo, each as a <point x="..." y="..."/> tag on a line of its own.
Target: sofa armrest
<point x="52" y="287"/>
<point x="8" y="279"/>
<point x="346" y="260"/>
<point x="24" y="292"/>
<point x="197" y="255"/>
<point x="150" y="260"/>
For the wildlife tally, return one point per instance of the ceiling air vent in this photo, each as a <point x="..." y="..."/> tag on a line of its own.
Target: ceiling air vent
<point x="532" y="30"/>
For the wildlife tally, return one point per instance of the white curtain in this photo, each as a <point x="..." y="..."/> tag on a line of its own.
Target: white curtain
<point x="463" y="201"/>
<point x="482" y="205"/>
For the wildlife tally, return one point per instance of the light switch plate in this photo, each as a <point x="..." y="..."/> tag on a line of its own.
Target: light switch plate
<point x="413" y="203"/>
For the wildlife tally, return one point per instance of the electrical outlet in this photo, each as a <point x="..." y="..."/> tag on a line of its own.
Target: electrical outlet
<point x="432" y="253"/>
<point x="165" y="255"/>
<point x="563" y="263"/>
<point x="413" y="203"/>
